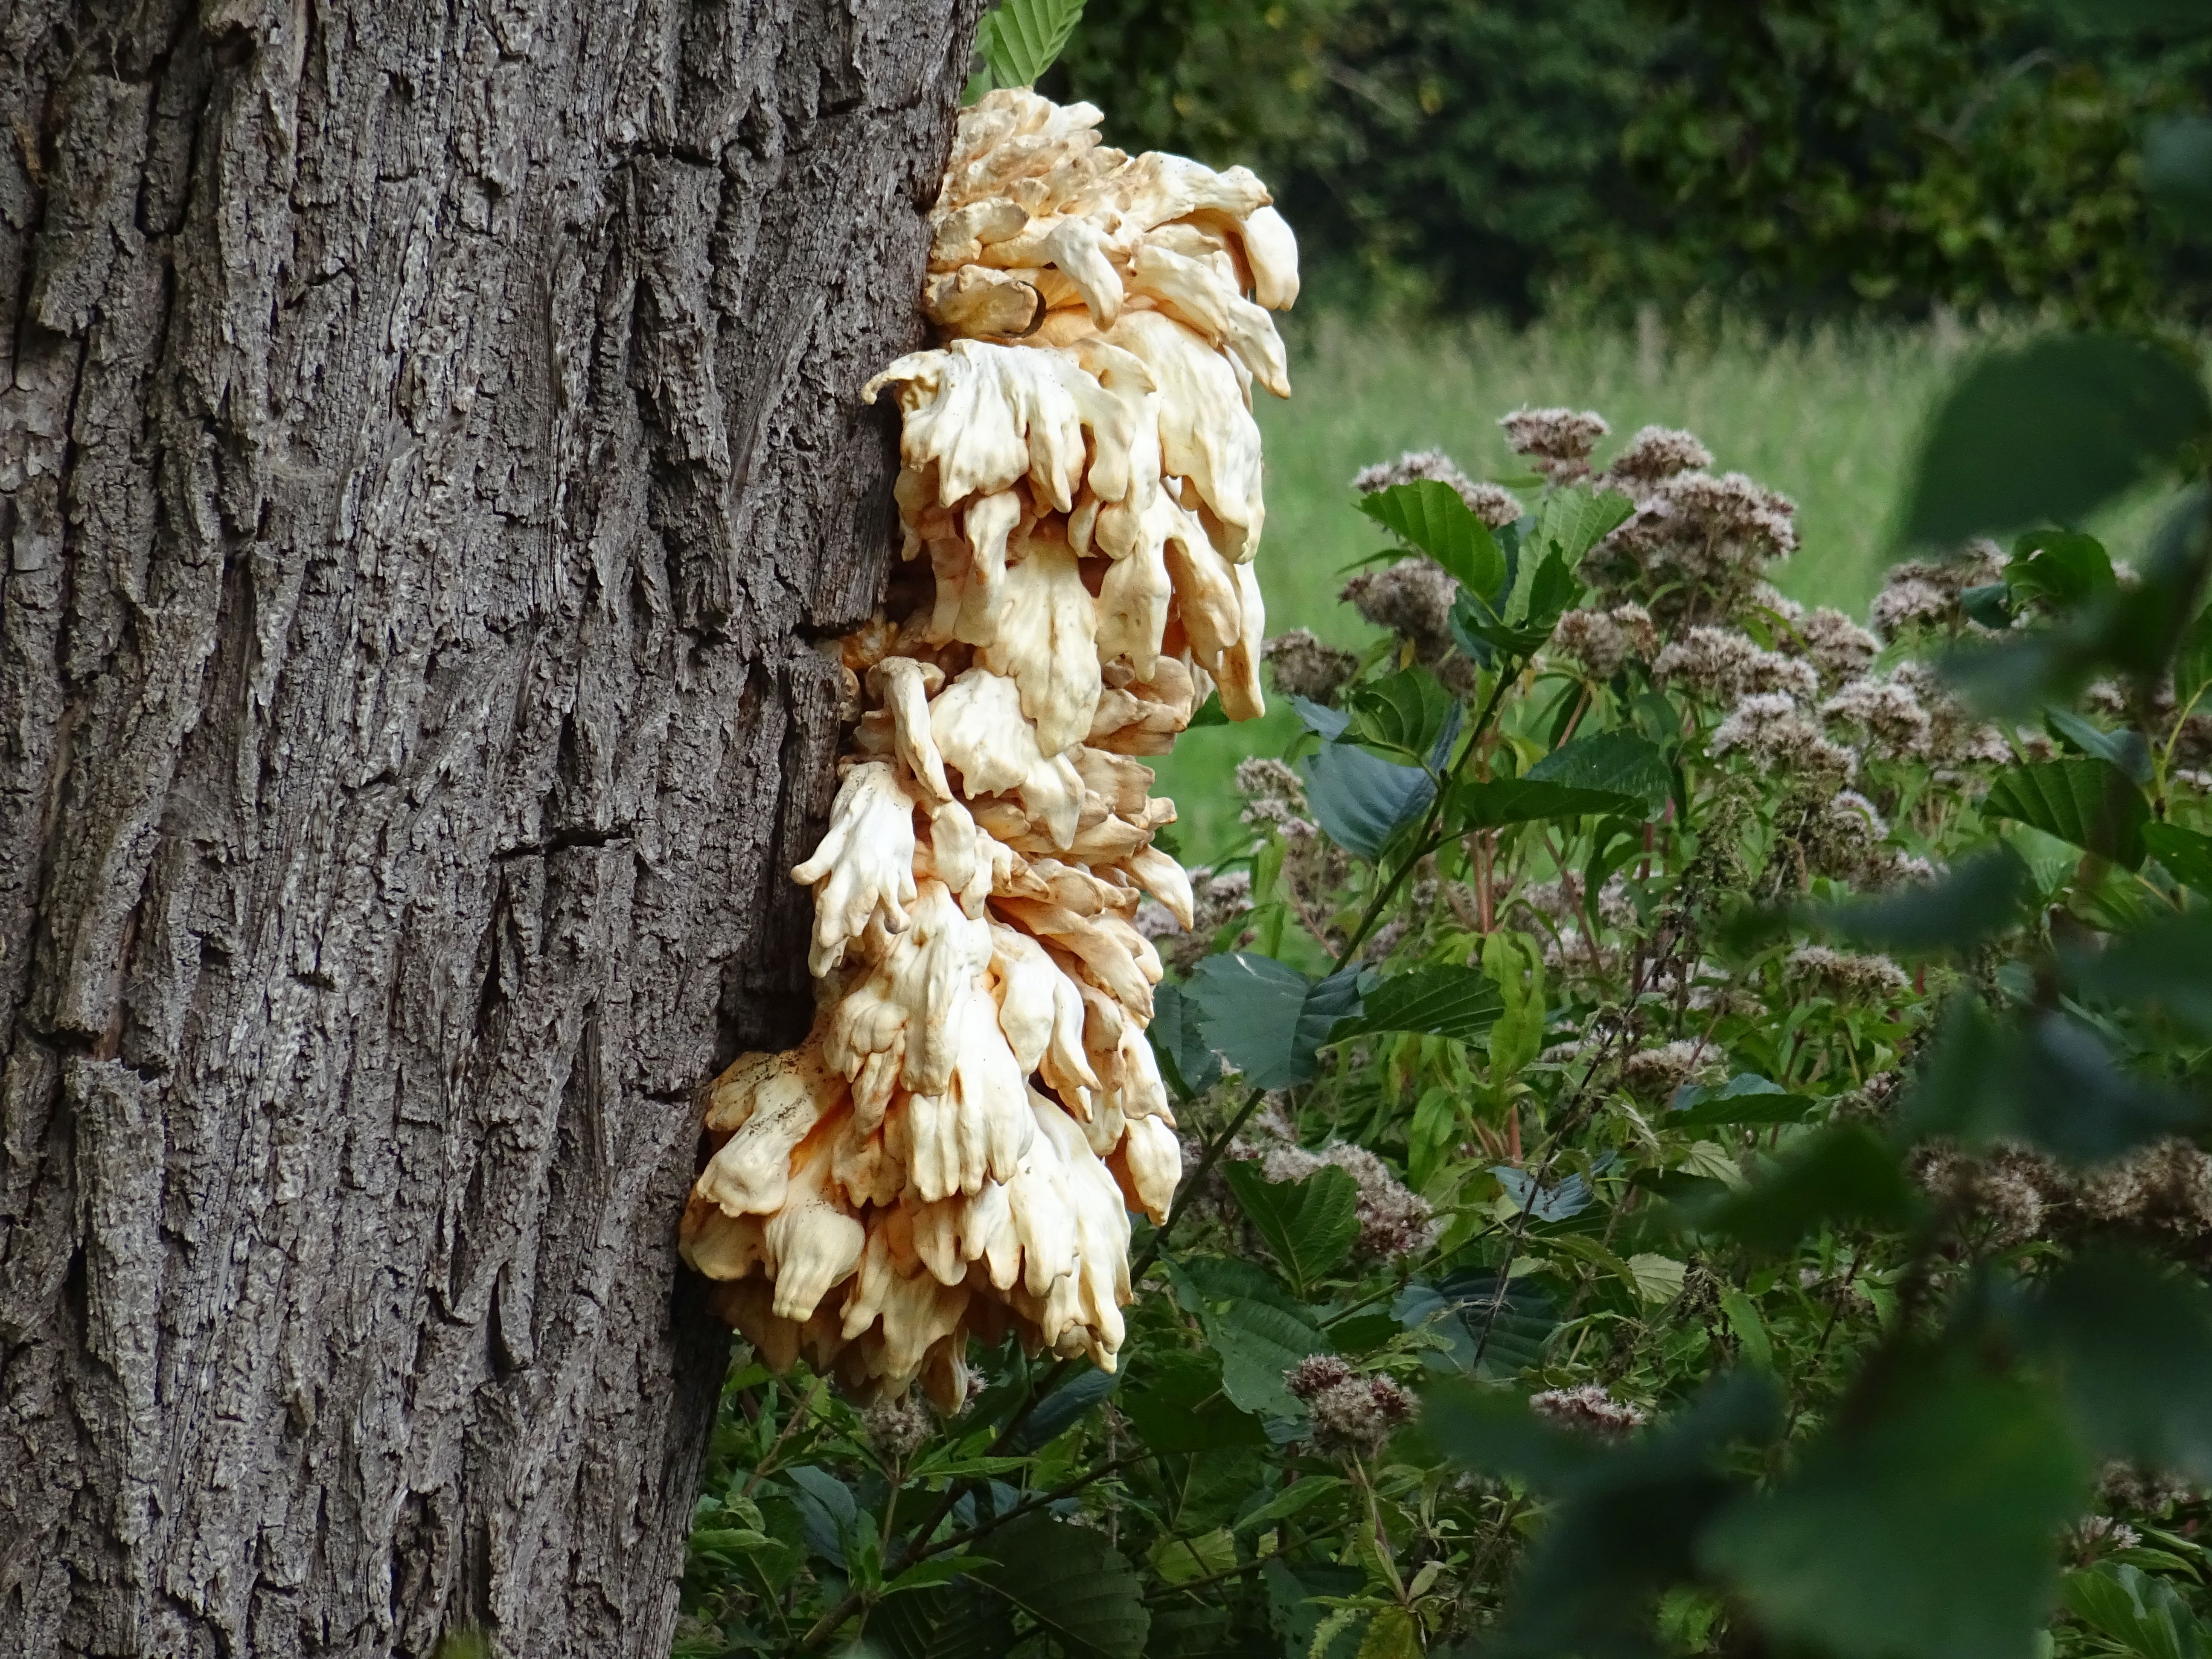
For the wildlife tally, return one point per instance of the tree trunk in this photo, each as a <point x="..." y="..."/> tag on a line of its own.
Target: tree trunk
<point x="431" y="446"/>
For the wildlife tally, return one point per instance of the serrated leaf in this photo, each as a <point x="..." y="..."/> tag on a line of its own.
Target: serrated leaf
<point x="1292" y="1500"/>
<point x="1360" y="801"/>
<point x="1745" y="1098"/>
<point x="1619" y="762"/>
<point x="1431" y="517"/>
<point x="1405" y="715"/>
<point x="1656" y="1278"/>
<point x="2048" y="432"/>
<point x="1391" y="1634"/>
<point x="1265" y="1018"/>
<point x="2084" y="802"/>
<point x="1254" y="1326"/>
<point x="2143" y="1615"/>
<point x="2059" y="568"/>
<point x="1750" y="1330"/>
<point x="1573" y="521"/>
<point x="827" y="1510"/>
<point x="938" y="1570"/>
<point x="1556" y="1202"/>
<point x="1073" y="1584"/>
<point x="1060" y="1409"/>
<point x="2125" y="750"/>
<point x="1190" y="1066"/>
<point x="1460" y="1003"/>
<point x="1020" y="39"/>
<point x="1925" y="1535"/>
<point x="1310" y="1225"/>
<point x="1491" y="1334"/>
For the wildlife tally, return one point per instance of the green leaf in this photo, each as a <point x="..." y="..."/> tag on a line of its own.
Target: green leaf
<point x="1020" y="39"/>
<point x="2048" y="432"/>
<point x="1190" y="1065"/>
<point x="2186" y="854"/>
<point x="1266" y="1018"/>
<point x="2192" y="661"/>
<point x="1976" y="899"/>
<point x="2060" y="569"/>
<point x="1310" y="1225"/>
<point x="1073" y="1584"/>
<point x="1210" y="712"/>
<point x="1573" y="521"/>
<point x="927" y="1574"/>
<point x="1489" y="803"/>
<point x="1405" y="715"/>
<point x="2131" y="1343"/>
<point x="1255" y="1327"/>
<point x="1926" y="1535"/>
<point x="1656" y="1278"/>
<point x="2141" y="1614"/>
<point x="1059" y="1410"/>
<point x="1745" y="1099"/>
<point x="2125" y="750"/>
<point x="1431" y="516"/>
<point x="1176" y="1404"/>
<point x="2049" y="1082"/>
<point x="2177" y="159"/>
<point x="1391" y="1634"/>
<point x="827" y="1511"/>
<point x="1460" y="1003"/>
<point x="1842" y="1175"/>
<point x="2165" y="965"/>
<point x="1750" y="1330"/>
<point x="1619" y="762"/>
<point x="1359" y="801"/>
<point x="2088" y="802"/>
<point x="1291" y="1501"/>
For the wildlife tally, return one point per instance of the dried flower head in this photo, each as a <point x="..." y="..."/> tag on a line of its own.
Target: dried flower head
<point x="1656" y="1074"/>
<point x="1697" y="545"/>
<point x="1833" y="643"/>
<point x="1770" y="728"/>
<point x="1657" y="452"/>
<point x="1351" y="1415"/>
<point x="1601" y="641"/>
<point x="2165" y="1188"/>
<point x="1304" y="667"/>
<point x="1413" y="598"/>
<point x="1557" y="442"/>
<point x="1493" y="504"/>
<point x="1888" y="712"/>
<point x="1588" y="1409"/>
<point x="1845" y="974"/>
<point x="897" y="1427"/>
<point x="1723" y="663"/>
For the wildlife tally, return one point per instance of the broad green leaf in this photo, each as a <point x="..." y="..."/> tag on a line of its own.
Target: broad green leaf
<point x="1750" y="1330"/>
<point x="1431" y="517"/>
<point x="1310" y="1225"/>
<point x="828" y="1509"/>
<point x="2186" y="854"/>
<point x="1711" y="1161"/>
<point x="1656" y="1278"/>
<point x="1176" y="1404"/>
<point x="1359" y="801"/>
<point x="1069" y="1581"/>
<point x="2131" y="1342"/>
<point x="2089" y="802"/>
<point x="1210" y="712"/>
<point x="1976" y="899"/>
<point x="1489" y="803"/>
<point x="1405" y="715"/>
<point x="2061" y="569"/>
<point x="1619" y="762"/>
<point x="1557" y="1201"/>
<point x="2049" y="1082"/>
<point x="1391" y="1634"/>
<point x="1491" y="1334"/>
<point x="1842" y="1175"/>
<point x="1060" y="1409"/>
<point x="2125" y="750"/>
<point x="1573" y="521"/>
<point x="1745" y="1098"/>
<point x="1190" y="1066"/>
<point x="2143" y="1615"/>
<point x="1265" y="1018"/>
<point x="1179" y="1560"/>
<point x="2048" y="432"/>
<point x="1292" y="1500"/>
<point x="1926" y="1534"/>
<point x="938" y="1570"/>
<point x="1585" y="1248"/>
<point x="2165" y="965"/>
<point x="2177" y="159"/>
<point x="1020" y="39"/>
<point x="1254" y="1326"/>
<point x="2192" y="661"/>
<point x="1459" y="1003"/>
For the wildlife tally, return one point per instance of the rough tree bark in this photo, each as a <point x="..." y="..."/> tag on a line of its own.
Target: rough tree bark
<point x="431" y="448"/>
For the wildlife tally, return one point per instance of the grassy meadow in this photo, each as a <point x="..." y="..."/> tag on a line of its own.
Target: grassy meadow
<point x="1830" y="417"/>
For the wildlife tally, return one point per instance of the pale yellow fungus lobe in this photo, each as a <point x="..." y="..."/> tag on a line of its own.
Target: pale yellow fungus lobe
<point x="956" y="1149"/>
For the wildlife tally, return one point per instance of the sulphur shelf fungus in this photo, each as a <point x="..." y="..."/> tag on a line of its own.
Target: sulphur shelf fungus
<point x="955" y="1149"/>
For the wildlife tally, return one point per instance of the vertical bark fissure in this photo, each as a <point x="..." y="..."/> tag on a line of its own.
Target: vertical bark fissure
<point x="429" y="445"/>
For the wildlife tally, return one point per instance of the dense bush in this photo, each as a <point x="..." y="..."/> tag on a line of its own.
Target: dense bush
<point x="1806" y="154"/>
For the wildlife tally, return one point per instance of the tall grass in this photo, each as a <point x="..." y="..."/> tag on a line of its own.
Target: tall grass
<point x="1828" y="417"/>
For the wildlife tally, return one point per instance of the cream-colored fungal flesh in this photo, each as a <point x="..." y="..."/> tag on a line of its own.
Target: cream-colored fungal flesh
<point x="955" y="1150"/>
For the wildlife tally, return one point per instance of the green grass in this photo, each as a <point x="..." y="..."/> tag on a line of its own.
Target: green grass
<point x="1829" y="418"/>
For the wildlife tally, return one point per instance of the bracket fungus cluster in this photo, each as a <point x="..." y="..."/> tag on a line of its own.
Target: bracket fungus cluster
<point x="955" y="1148"/>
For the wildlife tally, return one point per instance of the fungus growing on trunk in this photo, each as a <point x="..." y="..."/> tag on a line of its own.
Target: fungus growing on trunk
<point x="955" y="1148"/>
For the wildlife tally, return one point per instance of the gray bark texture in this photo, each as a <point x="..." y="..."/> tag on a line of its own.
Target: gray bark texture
<point x="432" y="453"/>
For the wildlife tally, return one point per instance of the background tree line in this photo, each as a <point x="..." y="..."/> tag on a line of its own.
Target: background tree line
<point x="1797" y="156"/>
